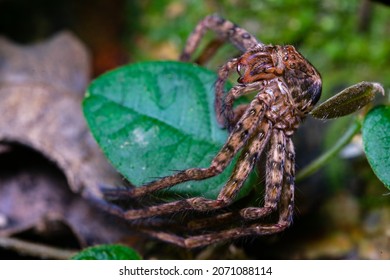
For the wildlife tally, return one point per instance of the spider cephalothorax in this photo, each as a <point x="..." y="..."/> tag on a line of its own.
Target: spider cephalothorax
<point x="287" y="86"/>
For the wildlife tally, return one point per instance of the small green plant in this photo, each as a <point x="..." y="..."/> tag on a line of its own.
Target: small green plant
<point x="107" y="252"/>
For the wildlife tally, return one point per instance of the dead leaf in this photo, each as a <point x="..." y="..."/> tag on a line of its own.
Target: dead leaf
<point x="41" y="89"/>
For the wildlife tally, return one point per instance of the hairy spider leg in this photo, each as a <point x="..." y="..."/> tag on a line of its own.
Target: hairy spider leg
<point x="244" y="130"/>
<point x="285" y="217"/>
<point x="237" y="91"/>
<point x="237" y="139"/>
<point x="223" y="74"/>
<point x="286" y="206"/>
<point x="233" y="233"/>
<point x="274" y="178"/>
<point x="245" y="163"/>
<point x="256" y="149"/>
<point x="279" y="170"/>
<point x="227" y="30"/>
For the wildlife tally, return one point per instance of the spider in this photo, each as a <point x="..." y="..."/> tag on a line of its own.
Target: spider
<point x="287" y="87"/>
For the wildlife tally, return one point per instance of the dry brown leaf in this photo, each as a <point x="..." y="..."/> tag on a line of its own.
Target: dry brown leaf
<point x="41" y="89"/>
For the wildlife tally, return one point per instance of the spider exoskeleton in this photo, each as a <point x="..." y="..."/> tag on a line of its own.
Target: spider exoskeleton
<point x="287" y="87"/>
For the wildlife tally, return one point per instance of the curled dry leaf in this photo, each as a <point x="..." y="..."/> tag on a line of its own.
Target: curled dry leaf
<point x="41" y="88"/>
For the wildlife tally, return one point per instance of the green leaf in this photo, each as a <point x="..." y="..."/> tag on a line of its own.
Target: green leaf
<point x="154" y="118"/>
<point x="348" y="101"/>
<point x="376" y="140"/>
<point x="107" y="252"/>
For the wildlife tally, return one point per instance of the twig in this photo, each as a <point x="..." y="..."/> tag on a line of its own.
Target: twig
<point x="36" y="250"/>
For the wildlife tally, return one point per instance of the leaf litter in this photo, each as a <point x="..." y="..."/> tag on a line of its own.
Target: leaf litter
<point x="50" y="164"/>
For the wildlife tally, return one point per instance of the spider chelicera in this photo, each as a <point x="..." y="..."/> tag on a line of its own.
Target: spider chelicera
<point x="287" y="87"/>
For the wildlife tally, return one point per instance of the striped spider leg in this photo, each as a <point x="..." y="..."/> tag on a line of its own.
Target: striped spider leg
<point x="287" y="87"/>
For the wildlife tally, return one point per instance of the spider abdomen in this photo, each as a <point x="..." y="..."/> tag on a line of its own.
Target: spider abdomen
<point x="303" y="80"/>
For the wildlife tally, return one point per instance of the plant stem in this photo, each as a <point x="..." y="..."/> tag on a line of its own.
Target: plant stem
<point x="319" y="162"/>
<point x="36" y="250"/>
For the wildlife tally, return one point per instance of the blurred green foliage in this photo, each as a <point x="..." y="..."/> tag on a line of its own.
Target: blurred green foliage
<point x="328" y="33"/>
